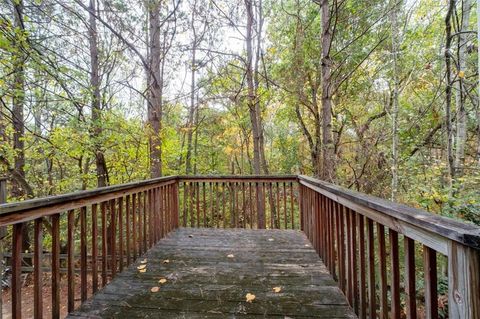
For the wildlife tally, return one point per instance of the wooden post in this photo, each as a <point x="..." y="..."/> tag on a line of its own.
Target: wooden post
<point x="463" y="281"/>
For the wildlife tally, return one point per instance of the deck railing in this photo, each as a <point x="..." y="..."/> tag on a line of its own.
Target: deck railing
<point x="348" y="230"/>
<point x="107" y="228"/>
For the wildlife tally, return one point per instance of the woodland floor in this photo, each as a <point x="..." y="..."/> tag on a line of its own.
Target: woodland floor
<point x="209" y="272"/>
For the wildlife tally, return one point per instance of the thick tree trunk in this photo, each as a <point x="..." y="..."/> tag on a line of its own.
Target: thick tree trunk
<point x="328" y="158"/>
<point x="461" y="135"/>
<point x="155" y="87"/>
<point x="96" y="126"/>
<point x="18" y="101"/>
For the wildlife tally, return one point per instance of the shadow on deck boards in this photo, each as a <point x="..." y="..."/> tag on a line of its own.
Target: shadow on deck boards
<point x="203" y="281"/>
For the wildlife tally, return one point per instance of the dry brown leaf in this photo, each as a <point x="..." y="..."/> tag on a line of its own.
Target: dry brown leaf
<point x="162" y="280"/>
<point x="143" y="266"/>
<point x="155" y="289"/>
<point x="230" y="256"/>
<point x="250" y="297"/>
<point x="277" y="289"/>
<point x="166" y="261"/>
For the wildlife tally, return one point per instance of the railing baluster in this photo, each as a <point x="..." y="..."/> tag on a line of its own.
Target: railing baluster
<point x="127" y="227"/>
<point x="134" y="226"/>
<point x="410" y="291"/>
<point x="362" y="268"/>
<point x="395" y="271"/>
<point x="83" y="253"/>
<point x="37" y="264"/>
<point x="145" y="215"/>
<point x="204" y="205"/>
<point x="120" y="232"/>
<point x="113" y="230"/>
<point x="353" y="220"/>
<point x="71" y="260"/>
<point x="55" y="266"/>
<point x="372" y="297"/>
<point x="383" y="271"/>
<point x="430" y="270"/>
<point x="104" y="243"/>
<point x="17" y="270"/>
<point x="94" y="248"/>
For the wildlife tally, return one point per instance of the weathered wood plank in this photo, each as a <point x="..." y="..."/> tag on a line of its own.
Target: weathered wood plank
<point x="209" y="272"/>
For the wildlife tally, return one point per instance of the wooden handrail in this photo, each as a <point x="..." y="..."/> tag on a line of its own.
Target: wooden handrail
<point x="447" y="228"/>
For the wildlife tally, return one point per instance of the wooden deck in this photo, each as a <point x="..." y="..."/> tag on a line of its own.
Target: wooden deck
<point x="203" y="281"/>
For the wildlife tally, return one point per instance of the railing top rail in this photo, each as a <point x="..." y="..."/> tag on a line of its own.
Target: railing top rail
<point x="466" y="234"/>
<point x="239" y="178"/>
<point x="12" y="212"/>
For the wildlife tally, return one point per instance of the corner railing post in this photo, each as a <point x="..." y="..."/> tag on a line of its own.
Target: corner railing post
<point x="463" y="281"/>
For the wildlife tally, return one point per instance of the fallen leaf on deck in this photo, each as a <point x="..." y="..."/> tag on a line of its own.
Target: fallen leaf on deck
<point x="270" y="239"/>
<point x="277" y="289"/>
<point x="307" y="245"/>
<point x="143" y="270"/>
<point x="162" y="280"/>
<point x="143" y="261"/>
<point x="250" y="297"/>
<point x="166" y="261"/>
<point x="155" y="289"/>
<point x="141" y="267"/>
<point x="230" y="256"/>
<point x="190" y="236"/>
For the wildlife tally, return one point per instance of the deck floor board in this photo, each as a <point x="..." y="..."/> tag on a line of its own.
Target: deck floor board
<point x="202" y="282"/>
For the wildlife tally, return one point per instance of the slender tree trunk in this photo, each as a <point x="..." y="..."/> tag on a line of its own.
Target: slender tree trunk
<point x="328" y="158"/>
<point x="253" y="114"/>
<point x="96" y="126"/>
<point x="191" y="113"/>
<point x="478" y="89"/>
<point x="155" y="87"/>
<point x="394" y="34"/>
<point x="448" y="90"/>
<point x="461" y="135"/>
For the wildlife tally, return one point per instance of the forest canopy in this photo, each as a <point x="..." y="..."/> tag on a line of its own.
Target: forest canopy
<point x="378" y="96"/>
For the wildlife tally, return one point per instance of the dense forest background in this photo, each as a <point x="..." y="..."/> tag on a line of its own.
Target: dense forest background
<point x="378" y="96"/>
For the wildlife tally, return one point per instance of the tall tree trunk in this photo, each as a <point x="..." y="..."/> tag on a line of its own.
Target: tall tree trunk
<point x="478" y="89"/>
<point x="448" y="90"/>
<point x="18" y="101"/>
<point x="461" y="135"/>
<point x="96" y="126"/>
<point x="191" y="112"/>
<point x="155" y="87"/>
<point x="395" y="45"/>
<point x="253" y="114"/>
<point x="328" y="158"/>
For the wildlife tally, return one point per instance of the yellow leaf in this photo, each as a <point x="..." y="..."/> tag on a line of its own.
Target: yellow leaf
<point x="141" y="267"/>
<point x="143" y="270"/>
<point x="461" y="74"/>
<point x="277" y="289"/>
<point x="250" y="297"/>
<point x="230" y="256"/>
<point x="155" y="289"/>
<point x="166" y="261"/>
<point x="162" y="280"/>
